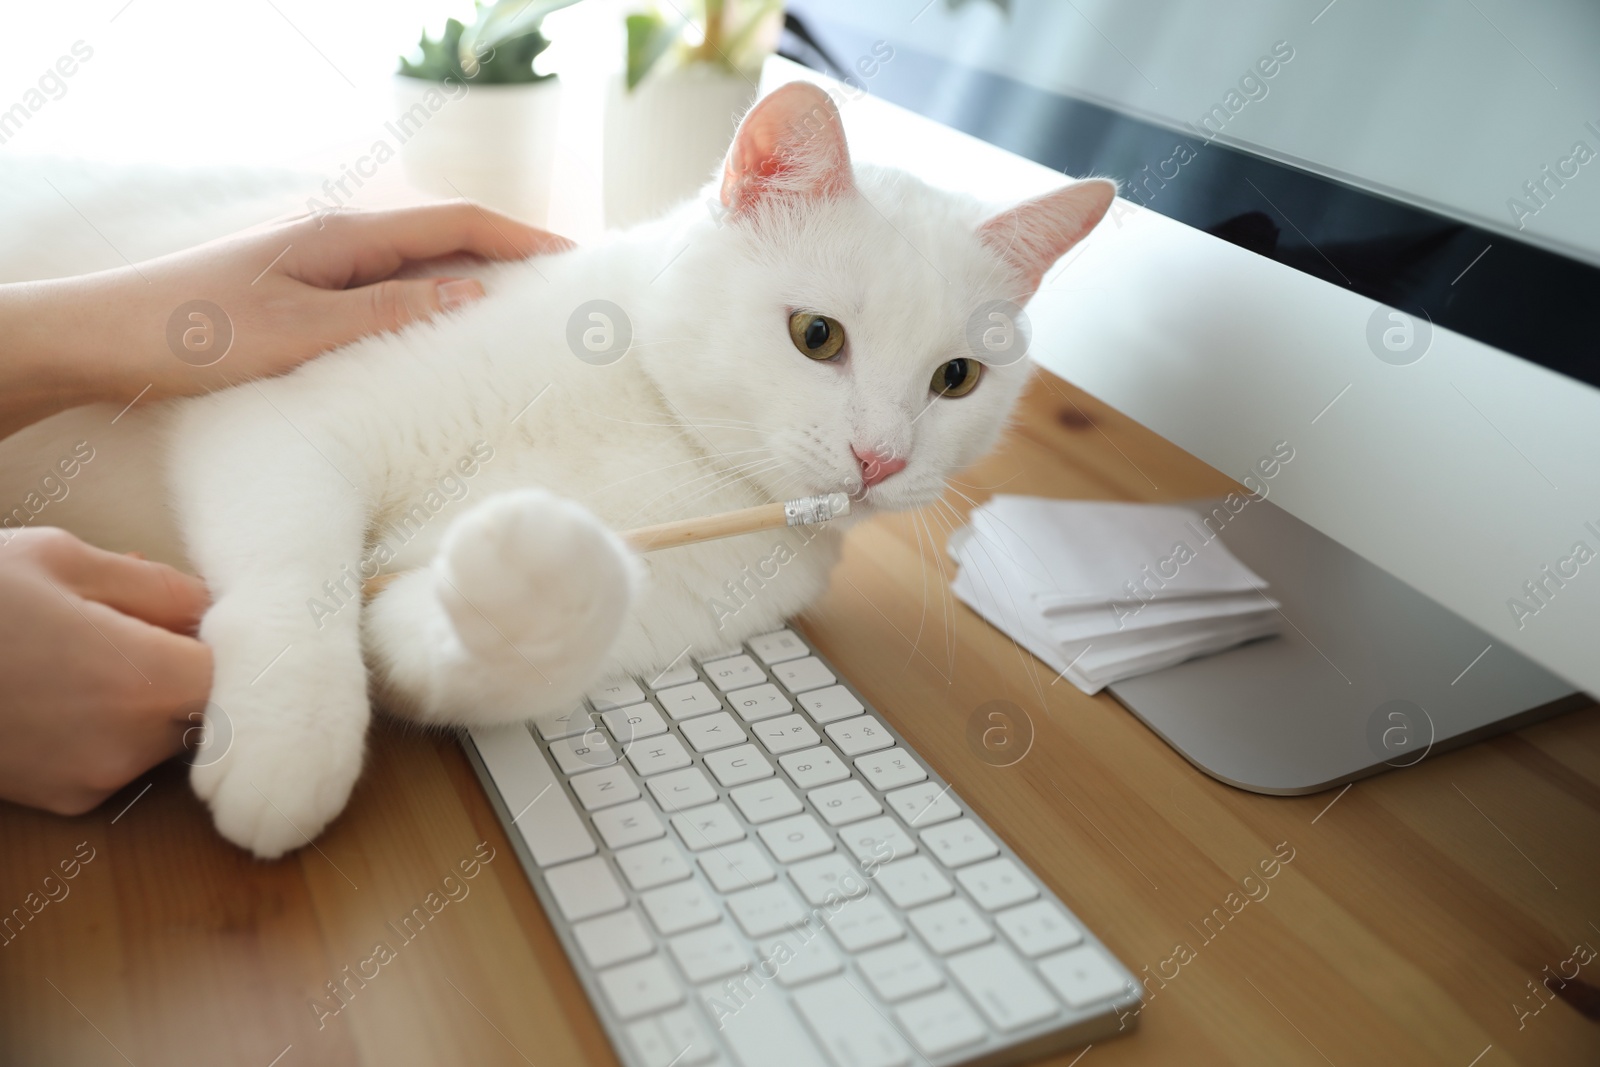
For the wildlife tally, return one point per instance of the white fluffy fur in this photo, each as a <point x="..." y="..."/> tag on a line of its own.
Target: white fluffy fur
<point x="523" y="595"/>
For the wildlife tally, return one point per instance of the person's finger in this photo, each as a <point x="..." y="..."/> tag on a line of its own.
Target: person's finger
<point x="351" y="313"/>
<point x="157" y="672"/>
<point x="153" y="592"/>
<point x="377" y="243"/>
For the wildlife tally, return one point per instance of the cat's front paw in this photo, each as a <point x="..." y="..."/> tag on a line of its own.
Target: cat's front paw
<point x="532" y="576"/>
<point x="273" y="785"/>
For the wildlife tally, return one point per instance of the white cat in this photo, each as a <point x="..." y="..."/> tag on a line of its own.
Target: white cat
<point x="813" y="338"/>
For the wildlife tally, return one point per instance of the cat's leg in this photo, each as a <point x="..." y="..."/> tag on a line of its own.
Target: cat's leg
<point x="514" y="617"/>
<point x="274" y="524"/>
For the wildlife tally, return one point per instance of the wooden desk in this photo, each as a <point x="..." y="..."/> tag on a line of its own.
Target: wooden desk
<point x="1416" y="911"/>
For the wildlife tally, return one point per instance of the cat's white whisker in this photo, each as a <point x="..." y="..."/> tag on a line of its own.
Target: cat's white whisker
<point x="719" y="477"/>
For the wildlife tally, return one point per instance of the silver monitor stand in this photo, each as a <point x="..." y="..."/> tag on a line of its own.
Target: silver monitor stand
<point x="1368" y="674"/>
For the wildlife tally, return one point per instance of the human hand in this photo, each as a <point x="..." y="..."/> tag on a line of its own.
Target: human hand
<point x="286" y="291"/>
<point x="100" y="671"/>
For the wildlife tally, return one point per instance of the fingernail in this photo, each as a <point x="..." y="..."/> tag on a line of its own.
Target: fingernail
<point x="459" y="292"/>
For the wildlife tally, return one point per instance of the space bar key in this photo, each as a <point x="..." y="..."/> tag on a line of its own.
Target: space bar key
<point x="760" y="1027"/>
<point x="539" y="806"/>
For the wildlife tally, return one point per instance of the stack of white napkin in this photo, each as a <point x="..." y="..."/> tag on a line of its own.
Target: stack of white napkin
<point x="1104" y="591"/>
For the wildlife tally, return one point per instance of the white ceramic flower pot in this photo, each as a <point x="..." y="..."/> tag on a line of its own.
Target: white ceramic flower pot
<point x="666" y="138"/>
<point x="493" y="143"/>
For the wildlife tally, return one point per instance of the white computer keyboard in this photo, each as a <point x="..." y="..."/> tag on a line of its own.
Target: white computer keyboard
<point x="746" y="866"/>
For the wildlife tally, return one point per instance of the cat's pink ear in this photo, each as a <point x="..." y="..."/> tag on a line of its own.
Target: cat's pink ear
<point x="1037" y="232"/>
<point x="791" y="144"/>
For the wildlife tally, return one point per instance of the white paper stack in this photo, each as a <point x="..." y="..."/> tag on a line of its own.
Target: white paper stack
<point x="1104" y="591"/>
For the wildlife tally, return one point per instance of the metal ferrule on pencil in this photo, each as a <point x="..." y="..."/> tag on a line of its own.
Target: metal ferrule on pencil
<point x="808" y="510"/>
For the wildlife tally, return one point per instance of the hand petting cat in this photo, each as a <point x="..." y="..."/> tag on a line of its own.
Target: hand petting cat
<point x="290" y="289"/>
<point x="101" y="674"/>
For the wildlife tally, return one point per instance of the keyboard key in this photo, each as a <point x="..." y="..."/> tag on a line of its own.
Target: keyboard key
<point x="679" y="907"/>
<point x="785" y="734"/>
<point x="950" y="926"/>
<point x="828" y="878"/>
<point x="900" y="971"/>
<point x="814" y="767"/>
<point x="1082" y="976"/>
<point x="760" y="1031"/>
<point x="864" y="733"/>
<point x="737" y="672"/>
<point x="629" y="824"/>
<point x="575" y="720"/>
<point x="710" y="953"/>
<point x="759" y="702"/>
<point x="653" y="863"/>
<point x="640" y="988"/>
<point x="997" y="884"/>
<point x="711" y="732"/>
<point x="584" y="752"/>
<point x="672" y="1039"/>
<point x="778" y="647"/>
<point x="1038" y="928"/>
<point x="959" y="843"/>
<point x="737" y="866"/>
<point x="631" y="723"/>
<point x="680" y="673"/>
<point x="877" y="840"/>
<point x="796" y="838"/>
<point x="682" y="789"/>
<point x="766" y="909"/>
<point x="941" y="1022"/>
<point x="798" y="675"/>
<point x="800" y="956"/>
<point x="764" y="801"/>
<point x="687" y="701"/>
<point x="913" y="881"/>
<point x="850" y="1026"/>
<point x="735" y="766"/>
<point x="657" y="754"/>
<point x="601" y="789"/>
<point x="890" y="768"/>
<point x="863" y="923"/>
<point x="924" y="805"/>
<point x="708" y="827"/>
<point x="613" y="938"/>
<point x="540" y="809"/>
<point x="845" y="803"/>
<point x="616" y="693"/>
<point x="830" y="704"/>
<point x="1003" y="987"/>
<point x="585" y="888"/>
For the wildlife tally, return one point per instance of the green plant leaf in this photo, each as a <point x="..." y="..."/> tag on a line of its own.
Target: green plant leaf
<point x="649" y="37"/>
<point x="435" y="60"/>
<point x="497" y="49"/>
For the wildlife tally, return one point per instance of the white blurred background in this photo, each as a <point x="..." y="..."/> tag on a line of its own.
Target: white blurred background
<point x="302" y="85"/>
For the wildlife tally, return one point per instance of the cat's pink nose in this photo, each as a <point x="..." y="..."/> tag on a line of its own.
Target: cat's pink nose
<point x="875" y="466"/>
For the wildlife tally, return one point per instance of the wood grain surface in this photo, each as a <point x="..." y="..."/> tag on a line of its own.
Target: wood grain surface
<point x="1425" y="916"/>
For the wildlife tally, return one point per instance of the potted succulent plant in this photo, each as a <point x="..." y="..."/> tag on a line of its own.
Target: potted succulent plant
<point x="475" y="118"/>
<point x="670" y="115"/>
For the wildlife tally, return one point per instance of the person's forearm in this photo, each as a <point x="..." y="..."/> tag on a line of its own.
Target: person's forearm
<point x="54" y="331"/>
<point x="247" y="306"/>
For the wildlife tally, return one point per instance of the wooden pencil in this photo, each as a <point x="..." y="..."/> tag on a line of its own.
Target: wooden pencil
<point x="803" y="511"/>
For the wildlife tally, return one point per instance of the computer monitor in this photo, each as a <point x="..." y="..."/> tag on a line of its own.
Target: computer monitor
<point x="1368" y="232"/>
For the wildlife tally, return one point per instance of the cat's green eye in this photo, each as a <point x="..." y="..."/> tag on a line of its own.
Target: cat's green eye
<point x="816" y="336"/>
<point x="957" y="378"/>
